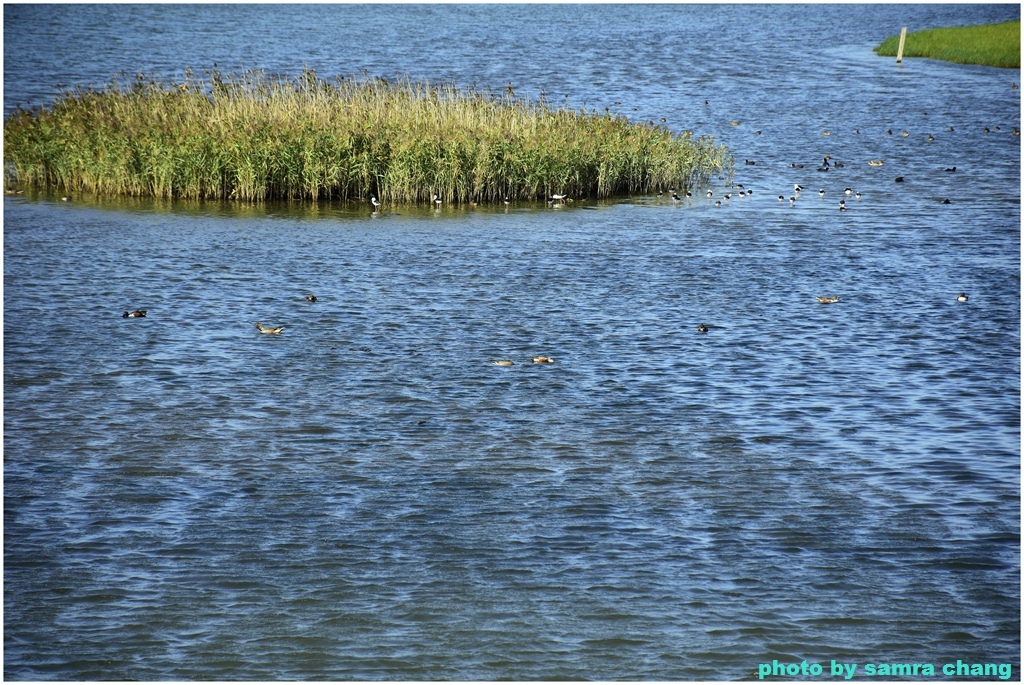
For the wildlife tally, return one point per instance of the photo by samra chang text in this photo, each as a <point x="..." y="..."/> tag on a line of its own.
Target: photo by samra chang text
<point x="848" y="671"/>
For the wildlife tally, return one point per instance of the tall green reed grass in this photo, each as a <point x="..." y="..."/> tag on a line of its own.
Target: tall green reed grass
<point x="253" y="137"/>
<point x="994" y="45"/>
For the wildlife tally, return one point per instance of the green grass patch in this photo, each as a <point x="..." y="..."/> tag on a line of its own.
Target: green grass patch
<point x="994" y="45"/>
<point x="252" y="137"/>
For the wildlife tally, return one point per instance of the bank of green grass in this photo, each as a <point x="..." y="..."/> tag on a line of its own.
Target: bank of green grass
<point x="994" y="45"/>
<point x="252" y="137"/>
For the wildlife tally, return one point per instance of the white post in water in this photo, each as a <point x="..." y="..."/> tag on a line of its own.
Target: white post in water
<point x="903" y="39"/>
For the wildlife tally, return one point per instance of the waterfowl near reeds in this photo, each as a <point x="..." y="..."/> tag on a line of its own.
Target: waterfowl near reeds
<point x="269" y="329"/>
<point x="375" y="202"/>
<point x="137" y="314"/>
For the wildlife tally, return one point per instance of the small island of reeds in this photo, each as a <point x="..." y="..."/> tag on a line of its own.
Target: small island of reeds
<point x="252" y="137"/>
<point x="993" y="45"/>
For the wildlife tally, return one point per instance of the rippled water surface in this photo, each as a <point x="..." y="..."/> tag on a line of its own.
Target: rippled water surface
<point x="366" y="496"/>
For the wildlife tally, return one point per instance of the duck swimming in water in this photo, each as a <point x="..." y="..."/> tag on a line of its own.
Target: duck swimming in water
<point x="269" y="329"/>
<point x="310" y="298"/>
<point x="702" y="328"/>
<point x="962" y="297"/>
<point x="828" y="299"/>
<point x="542" y="359"/>
<point x="137" y="314"/>
<point x="503" y="362"/>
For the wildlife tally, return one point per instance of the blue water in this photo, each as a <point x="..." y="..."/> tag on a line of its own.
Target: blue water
<point x="366" y="496"/>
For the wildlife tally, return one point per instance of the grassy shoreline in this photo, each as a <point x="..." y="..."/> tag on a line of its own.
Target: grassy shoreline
<point x="252" y="137"/>
<point x="994" y="45"/>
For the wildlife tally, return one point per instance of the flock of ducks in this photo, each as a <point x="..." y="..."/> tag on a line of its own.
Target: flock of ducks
<point x="560" y="199"/>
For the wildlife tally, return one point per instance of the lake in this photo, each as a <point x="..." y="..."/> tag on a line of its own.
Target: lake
<point x="367" y="497"/>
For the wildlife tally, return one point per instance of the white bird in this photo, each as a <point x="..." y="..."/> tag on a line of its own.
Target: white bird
<point x="374" y="202"/>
